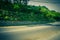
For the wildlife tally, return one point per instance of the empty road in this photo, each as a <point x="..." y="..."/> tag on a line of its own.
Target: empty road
<point x="35" y="32"/>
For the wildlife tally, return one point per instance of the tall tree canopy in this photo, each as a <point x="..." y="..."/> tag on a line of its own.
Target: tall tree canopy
<point x="25" y="2"/>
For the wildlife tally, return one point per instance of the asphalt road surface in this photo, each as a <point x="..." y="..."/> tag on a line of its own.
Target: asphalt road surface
<point x="30" y="33"/>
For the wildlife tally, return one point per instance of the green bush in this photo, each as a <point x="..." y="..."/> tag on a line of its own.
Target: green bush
<point x="19" y="12"/>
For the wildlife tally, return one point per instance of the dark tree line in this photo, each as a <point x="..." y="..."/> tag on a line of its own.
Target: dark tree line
<point x="19" y="12"/>
<point x="25" y="2"/>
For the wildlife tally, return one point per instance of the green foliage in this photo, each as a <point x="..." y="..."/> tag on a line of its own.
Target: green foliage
<point x="16" y="6"/>
<point x="19" y="12"/>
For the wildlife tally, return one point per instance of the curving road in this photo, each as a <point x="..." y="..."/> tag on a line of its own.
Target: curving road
<point x="30" y="33"/>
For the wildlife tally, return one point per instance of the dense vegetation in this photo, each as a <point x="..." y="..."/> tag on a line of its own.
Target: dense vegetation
<point x="19" y="12"/>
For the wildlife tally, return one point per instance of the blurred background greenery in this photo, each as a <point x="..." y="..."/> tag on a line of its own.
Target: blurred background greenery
<point x="20" y="12"/>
